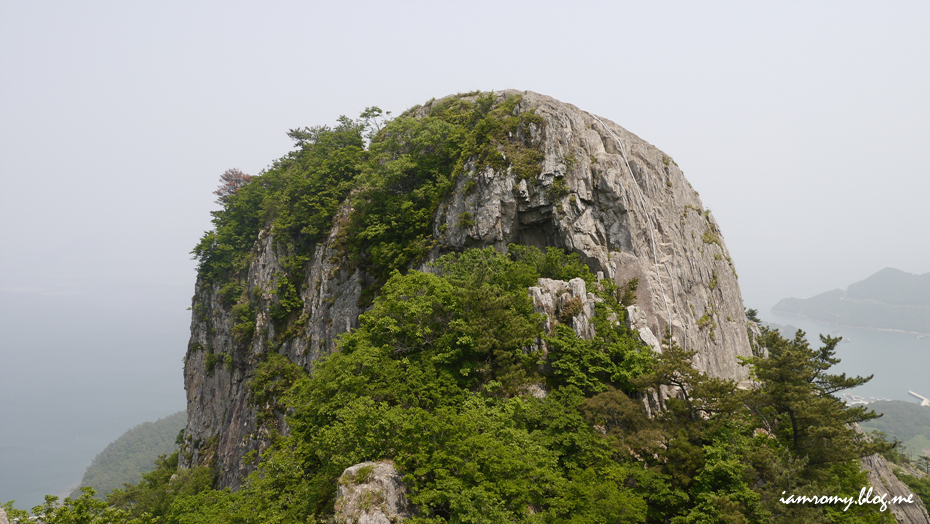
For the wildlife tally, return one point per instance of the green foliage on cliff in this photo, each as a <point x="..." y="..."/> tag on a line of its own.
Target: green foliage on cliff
<point x="920" y="486"/>
<point x="396" y="184"/>
<point x="152" y="498"/>
<point x="437" y="379"/>
<point x="433" y="379"/>
<point x="273" y="377"/>
<point x="388" y="177"/>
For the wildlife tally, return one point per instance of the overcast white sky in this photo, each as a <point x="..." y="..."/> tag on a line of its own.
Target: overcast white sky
<point x="805" y="126"/>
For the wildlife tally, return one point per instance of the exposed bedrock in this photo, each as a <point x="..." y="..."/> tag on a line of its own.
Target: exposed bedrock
<point x="620" y="203"/>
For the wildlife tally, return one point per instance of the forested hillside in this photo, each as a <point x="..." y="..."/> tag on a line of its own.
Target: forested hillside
<point x="125" y="460"/>
<point x="908" y="422"/>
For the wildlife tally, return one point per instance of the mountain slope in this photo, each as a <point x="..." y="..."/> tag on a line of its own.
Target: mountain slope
<point x="125" y="459"/>
<point x="890" y="299"/>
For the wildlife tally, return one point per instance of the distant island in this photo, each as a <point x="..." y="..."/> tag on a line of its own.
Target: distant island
<point x="134" y="453"/>
<point x="891" y="300"/>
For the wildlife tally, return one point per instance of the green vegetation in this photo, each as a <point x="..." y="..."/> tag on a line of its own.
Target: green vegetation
<point x="451" y="376"/>
<point x="435" y="379"/>
<point x="124" y="460"/>
<point x="361" y="476"/>
<point x="395" y="185"/>
<point x="558" y="189"/>
<point x="905" y="427"/>
<point x="906" y="422"/>
<point x="710" y="236"/>
<point x="920" y="486"/>
<point x="153" y="498"/>
<point x="273" y="376"/>
<point x="243" y="315"/>
<point x="86" y="508"/>
<point x="466" y="220"/>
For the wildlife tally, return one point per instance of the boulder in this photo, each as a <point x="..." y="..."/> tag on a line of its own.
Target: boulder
<point x="371" y="493"/>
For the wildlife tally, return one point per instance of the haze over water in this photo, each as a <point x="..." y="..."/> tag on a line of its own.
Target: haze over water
<point x="899" y="361"/>
<point x="805" y="138"/>
<point x="77" y="382"/>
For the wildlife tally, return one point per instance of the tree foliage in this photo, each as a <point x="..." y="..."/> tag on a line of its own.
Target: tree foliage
<point x="432" y="381"/>
<point x="153" y="496"/>
<point x="132" y="454"/>
<point x="397" y="171"/>
<point x="428" y="382"/>
<point x="797" y="396"/>
<point x="439" y="374"/>
<point x="230" y="182"/>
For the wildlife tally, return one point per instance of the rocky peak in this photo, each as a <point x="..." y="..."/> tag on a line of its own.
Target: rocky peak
<point x="627" y="209"/>
<point x="601" y="192"/>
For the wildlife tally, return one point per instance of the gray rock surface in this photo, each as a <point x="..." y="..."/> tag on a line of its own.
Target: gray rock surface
<point x="551" y="297"/>
<point x="371" y="493"/>
<point x="638" y="321"/>
<point x="3" y="519"/>
<point x="628" y="212"/>
<point x="883" y="481"/>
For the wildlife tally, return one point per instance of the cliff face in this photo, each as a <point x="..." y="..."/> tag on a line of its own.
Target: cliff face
<point x="882" y="478"/>
<point x="620" y="203"/>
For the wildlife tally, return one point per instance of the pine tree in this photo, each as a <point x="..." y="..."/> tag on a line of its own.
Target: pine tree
<point x="796" y="399"/>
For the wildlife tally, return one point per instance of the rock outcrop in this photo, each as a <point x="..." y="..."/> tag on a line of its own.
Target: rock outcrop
<point x="620" y="203"/>
<point x="371" y="493"/>
<point x="886" y="483"/>
<point x="554" y="297"/>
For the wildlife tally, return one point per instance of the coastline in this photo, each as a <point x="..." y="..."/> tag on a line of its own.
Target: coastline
<point x="68" y="491"/>
<point x="869" y="328"/>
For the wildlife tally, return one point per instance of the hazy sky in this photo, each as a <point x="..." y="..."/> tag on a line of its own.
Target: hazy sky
<point x="805" y="126"/>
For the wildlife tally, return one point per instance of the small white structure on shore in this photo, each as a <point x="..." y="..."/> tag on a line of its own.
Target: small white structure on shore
<point x="924" y="401"/>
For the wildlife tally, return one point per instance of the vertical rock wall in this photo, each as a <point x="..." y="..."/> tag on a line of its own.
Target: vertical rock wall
<point x="628" y="212"/>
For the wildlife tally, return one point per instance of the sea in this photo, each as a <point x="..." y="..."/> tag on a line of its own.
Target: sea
<point x="899" y="362"/>
<point x="76" y="372"/>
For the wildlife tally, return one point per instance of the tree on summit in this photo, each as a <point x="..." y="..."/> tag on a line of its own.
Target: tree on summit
<point x="230" y="182"/>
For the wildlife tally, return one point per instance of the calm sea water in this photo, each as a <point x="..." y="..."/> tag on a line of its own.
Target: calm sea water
<point x="76" y="372"/>
<point x="899" y="361"/>
<point x="50" y="435"/>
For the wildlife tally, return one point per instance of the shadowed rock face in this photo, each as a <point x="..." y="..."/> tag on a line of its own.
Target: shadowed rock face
<point x="604" y="193"/>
